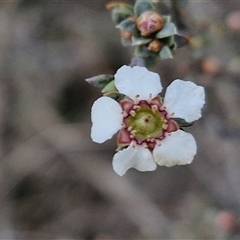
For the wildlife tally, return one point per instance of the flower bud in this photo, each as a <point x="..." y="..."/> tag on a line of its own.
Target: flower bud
<point x="155" y="46"/>
<point x="149" y="22"/>
<point x="226" y="221"/>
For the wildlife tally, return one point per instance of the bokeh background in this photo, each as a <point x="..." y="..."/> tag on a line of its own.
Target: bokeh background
<point x="55" y="183"/>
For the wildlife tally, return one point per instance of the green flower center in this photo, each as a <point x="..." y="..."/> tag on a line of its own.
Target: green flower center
<point x="145" y="123"/>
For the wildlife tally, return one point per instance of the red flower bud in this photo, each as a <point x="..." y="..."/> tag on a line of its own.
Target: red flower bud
<point x="155" y="46"/>
<point x="226" y="221"/>
<point x="149" y="22"/>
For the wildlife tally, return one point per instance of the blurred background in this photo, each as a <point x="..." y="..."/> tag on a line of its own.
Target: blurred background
<point x="56" y="183"/>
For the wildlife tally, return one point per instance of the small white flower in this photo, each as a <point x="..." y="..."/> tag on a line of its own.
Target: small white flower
<point x="146" y="131"/>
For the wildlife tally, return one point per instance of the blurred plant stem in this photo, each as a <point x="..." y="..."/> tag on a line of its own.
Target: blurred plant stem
<point x="137" y="61"/>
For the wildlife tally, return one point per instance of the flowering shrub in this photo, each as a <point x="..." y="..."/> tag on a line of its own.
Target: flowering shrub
<point x="149" y="127"/>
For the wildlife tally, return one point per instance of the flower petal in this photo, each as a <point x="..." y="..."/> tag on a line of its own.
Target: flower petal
<point x="185" y="100"/>
<point x="135" y="156"/>
<point x="137" y="83"/>
<point x="106" y="119"/>
<point x="177" y="149"/>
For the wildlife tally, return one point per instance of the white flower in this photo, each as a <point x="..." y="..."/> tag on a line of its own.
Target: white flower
<point x="147" y="133"/>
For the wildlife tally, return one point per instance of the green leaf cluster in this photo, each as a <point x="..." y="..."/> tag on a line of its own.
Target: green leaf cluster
<point x="125" y="17"/>
<point x="107" y="85"/>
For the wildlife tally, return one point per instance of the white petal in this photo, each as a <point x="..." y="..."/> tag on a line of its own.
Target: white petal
<point x="135" y="156"/>
<point x="137" y="83"/>
<point x="177" y="149"/>
<point x="185" y="100"/>
<point x="106" y="119"/>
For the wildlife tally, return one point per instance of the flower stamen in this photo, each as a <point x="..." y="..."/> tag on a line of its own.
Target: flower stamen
<point x="154" y="108"/>
<point x="133" y="132"/>
<point x="136" y="107"/>
<point x="158" y="142"/>
<point x="145" y="145"/>
<point x="134" y="143"/>
<point x="124" y="113"/>
<point x="129" y="128"/>
<point x="165" y="126"/>
<point x="132" y="113"/>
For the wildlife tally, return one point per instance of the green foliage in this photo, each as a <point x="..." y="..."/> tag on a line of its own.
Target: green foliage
<point x="139" y="40"/>
<point x="126" y="42"/>
<point x="166" y="18"/>
<point x="168" y="30"/>
<point x="142" y="51"/>
<point x="143" y="6"/>
<point x="100" y="81"/>
<point x="127" y="25"/>
<point x="165" y="53"/>
<point x="180" y="40"/>
<point x="115" y="95"/>
<point x="120" y="12"/>
<point x="182" y="123"/>
<point x="126" y="17"/>
<point x="110" y="87"/>
<point x="150" y="61"/>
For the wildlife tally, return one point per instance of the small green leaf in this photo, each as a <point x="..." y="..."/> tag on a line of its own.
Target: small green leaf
<point x="115" y="95"/>
<point x="126" y="42"/>
<point x="168" y="30"/>
<point x="150" y="61"/>
<point x="100" y="81"/>
<point x="136" y="41"/>
<point x="127" y="25"/>
<point x="142" y="51"/>
<point x="143" y="6"/>
<point x="182" y="123"/>
<point x="120" y="13"/>
<point x="180" y="40"/>
<point x="166" y="19"/>
<point x="110" y="87"/>
<point x="165" y="53"/>
<point x="170" y="42"/>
